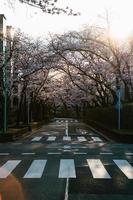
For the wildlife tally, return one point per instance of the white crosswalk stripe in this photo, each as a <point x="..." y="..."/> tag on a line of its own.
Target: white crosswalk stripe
<point x="36" y="169"/>
<point x="97" y="168"/>
<point x="8" y="167"/>
<point x="125" y="167"/>
<point x="96" y="139"/>
<point x="51" y="138"/>
<point x="67" y="168"/>
<point x="66" y="138"/>
<point x="81" y="139"/>
<point x="36" y="139"/>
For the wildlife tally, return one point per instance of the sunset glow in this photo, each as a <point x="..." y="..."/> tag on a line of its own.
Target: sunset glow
<point x="36" y="23"/>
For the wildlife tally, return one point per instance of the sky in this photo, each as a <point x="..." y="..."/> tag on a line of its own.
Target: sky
<point x="93" y="12"/>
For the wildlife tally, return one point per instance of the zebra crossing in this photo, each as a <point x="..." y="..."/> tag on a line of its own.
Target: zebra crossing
<point x="67" y="138"/>
<point x="66" y="168"/>
<point x="64" y="120"/>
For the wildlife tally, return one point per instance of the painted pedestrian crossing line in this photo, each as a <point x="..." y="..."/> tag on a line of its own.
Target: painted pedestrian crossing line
<point x="8" y="167"/>
<point x="66" y="168"/>
<point x="36" y="139"/>
<point x="82" y="139"/>
<point x="69" y="120"/>
<point x="51" y="138"/>
<point x="96" y="139"/>
<point x="36" y="169"/>
<point x="67" y="138"/>
<point x="97" y="169"/>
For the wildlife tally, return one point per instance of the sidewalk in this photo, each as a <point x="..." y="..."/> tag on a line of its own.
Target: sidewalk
<point x="16" y="133"/>
<point x="120" y="136"/>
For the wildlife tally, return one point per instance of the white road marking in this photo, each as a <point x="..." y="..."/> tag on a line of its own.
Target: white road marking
<point x="125" y="167"/>
<point x="35" y="139"/>
<point x="67" y="188"/>
<point x="36" y="169"/>
<point x="97" y="168"/>
<point x="66" y="138"/>
<point x="4" y="154"/>
<point x="66" y="147"/>
<point x="51" y="138"/>
<point x="67" y="168"/>
<point x="27" y="153"/>
<point x="67" y="150"/>
<point x="66" y="131"/>
<point x="129" y="154"/>
<point x="78" y="153"/>
<point x="81" y="139"/>
<point x="84" y="132"/>
<point x="96" y="139"/>
<point x="106" y="153"/>
<point x="54" y="153"/>
<point x="8" y="167"/>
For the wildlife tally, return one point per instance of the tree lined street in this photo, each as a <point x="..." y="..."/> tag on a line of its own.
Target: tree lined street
<point x="66" y="100"/>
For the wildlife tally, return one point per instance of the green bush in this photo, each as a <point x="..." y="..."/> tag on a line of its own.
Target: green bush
<point x="109" y="116"/>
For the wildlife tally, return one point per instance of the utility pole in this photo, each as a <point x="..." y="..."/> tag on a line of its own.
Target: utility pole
<point x="5" y="92"/>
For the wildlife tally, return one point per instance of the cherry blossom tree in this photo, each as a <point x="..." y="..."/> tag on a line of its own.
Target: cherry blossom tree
<point x="48" y="6"/>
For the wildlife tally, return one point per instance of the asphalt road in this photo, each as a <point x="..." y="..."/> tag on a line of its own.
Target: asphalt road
<point x="66" y="160"/>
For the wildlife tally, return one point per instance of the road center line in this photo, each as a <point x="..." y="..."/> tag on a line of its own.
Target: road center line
<point x="66" y="128"/>
<point x="67" y="188"/>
